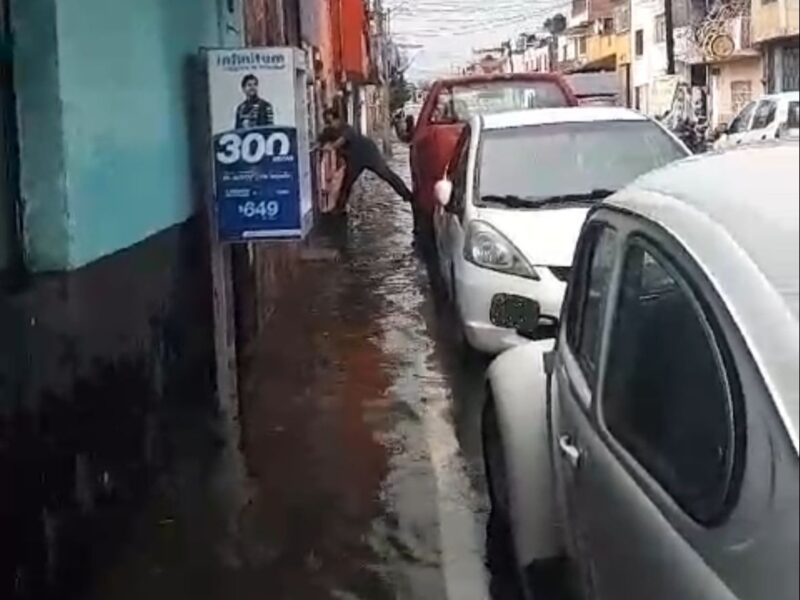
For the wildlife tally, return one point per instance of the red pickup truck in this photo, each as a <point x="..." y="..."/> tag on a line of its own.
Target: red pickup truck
<point x="451" y="103"/>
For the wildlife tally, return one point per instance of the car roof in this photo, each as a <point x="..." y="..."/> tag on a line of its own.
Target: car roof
<point x="493" y="77"/>
<point x="781" y="96"/>
<point x="544" y="116"/>
<point x="737" y="212"/>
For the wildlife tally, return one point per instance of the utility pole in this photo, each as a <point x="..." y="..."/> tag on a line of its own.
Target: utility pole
<point x="669" y="25"/>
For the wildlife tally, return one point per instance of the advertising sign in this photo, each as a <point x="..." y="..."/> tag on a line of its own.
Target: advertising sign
<point x="260" y="146"/>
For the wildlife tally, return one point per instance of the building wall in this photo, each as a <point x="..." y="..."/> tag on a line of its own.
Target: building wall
<point x="774" y="19"/>
<point x="353" y="24"/>
<point x="652" y="64"/>
<point x="123" y="68"/>
<point x="112" y="350"/>
<point x="653" y="61"/>
<point x="113" y="106"/>
<point x="600" y="46"/>
<point x="727" y="76"/>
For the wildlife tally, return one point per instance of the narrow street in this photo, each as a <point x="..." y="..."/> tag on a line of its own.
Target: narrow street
<point x="361" y="427"/>
<point x="363" y="432"/>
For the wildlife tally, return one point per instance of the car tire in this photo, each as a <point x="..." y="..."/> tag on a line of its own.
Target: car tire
<point x="465" y="350"/>
<point x="542" y="580"/>
<point x="499" y="536"/>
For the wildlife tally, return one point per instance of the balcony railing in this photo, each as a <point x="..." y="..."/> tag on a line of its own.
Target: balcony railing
<point x="720" y="37"/>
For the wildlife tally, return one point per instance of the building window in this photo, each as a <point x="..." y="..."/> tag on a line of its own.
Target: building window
<point x="581" y="44"/>
<point x="622" y="18"/>
<point x="639" y="42"/>
<point x="661" y="29"/>
<point x="607" y="26"/>
<point x="741" y="94"/>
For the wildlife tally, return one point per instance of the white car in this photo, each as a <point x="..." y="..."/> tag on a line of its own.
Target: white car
<point x="771" y="117"/>
<point x="653" y="450"/>
<point x="516" y="194"/>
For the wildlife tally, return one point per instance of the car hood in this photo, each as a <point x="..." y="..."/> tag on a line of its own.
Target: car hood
<point x="546" y="236"/>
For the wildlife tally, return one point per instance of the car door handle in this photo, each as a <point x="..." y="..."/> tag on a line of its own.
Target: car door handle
<point x="570" y="451"/>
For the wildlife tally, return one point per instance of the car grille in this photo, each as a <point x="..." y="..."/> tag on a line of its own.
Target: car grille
<point x="561" y="273"/>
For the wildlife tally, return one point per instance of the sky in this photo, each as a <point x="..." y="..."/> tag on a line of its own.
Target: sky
<point x="449" y="30"/>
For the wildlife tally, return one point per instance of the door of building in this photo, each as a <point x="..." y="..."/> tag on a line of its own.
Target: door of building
<point x="790" y="72"/>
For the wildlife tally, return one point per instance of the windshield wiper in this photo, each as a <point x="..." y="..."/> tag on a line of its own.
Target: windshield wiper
<point x="581" y="197"/>
<point x="512" y="201"/>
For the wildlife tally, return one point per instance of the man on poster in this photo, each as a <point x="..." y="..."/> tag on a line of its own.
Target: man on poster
<point x="360" y="154"/>
<point x="254" y="111"/>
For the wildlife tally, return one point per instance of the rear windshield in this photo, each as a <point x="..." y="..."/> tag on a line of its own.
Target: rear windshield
<point x="558" y="159"/>
<point x="459" y="103"/>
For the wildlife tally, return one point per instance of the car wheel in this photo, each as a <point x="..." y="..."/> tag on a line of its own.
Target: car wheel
<point x="460" y="336"/>
<point x="542" y="580"/>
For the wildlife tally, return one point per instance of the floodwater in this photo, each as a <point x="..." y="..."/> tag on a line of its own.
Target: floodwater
<point x="360" y="443"/>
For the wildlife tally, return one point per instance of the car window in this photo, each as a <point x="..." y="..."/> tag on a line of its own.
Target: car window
<point x="793" y="115"/>
<point x="459" y="103"/>
<point x="588" y="297"/>
<point x="458" y="173"/>
<point x="560" y="159"/>
<point x="666" y="395"/>
<point x="765" y="114"/>
<point x="742" y="120"/>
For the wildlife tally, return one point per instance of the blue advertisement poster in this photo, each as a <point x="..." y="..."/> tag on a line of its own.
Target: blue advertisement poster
<point x="260" y="144"/>
<point x="257" y="184"/>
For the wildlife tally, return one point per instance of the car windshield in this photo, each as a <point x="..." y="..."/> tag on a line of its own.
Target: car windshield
<point x="459" y="103"/>
<point x="569" y="160"/>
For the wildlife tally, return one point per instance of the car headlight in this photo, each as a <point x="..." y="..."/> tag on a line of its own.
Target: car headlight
<point x="488" y="248"/>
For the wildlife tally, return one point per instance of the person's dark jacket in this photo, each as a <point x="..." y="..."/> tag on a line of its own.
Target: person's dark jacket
<point x="254" y="113"/>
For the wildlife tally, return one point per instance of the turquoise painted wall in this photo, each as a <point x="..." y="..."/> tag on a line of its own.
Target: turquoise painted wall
<point x="108" y="81"/>
<point x="124" y="68"/>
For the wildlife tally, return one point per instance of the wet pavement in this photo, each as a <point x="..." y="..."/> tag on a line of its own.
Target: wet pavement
<point x="361" y="442"/>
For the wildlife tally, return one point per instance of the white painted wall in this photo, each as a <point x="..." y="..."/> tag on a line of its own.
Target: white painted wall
<point x="652" y="64"/>
<point x="742" y="70"/>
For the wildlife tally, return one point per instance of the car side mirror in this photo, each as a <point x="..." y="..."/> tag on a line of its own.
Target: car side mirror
<point x="443" y="191"/>
<point x="521" y="314"/>
<point x="721" y="130"/>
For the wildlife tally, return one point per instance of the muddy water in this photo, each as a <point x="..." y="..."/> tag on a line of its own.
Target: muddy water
<point x="360" y="435"/>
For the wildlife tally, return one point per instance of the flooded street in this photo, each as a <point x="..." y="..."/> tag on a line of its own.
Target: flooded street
<point x="361" y="437"/>
<point x="369" y="471"/>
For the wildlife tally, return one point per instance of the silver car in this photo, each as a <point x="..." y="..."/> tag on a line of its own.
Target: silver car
<point x="652" y="451"/>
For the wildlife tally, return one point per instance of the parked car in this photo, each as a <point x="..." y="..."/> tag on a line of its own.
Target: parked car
<point x="451" y="103"/>
<point x="771" y="117"/>
<point x="515" y="197"/>
<point x="653" y="453"/>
